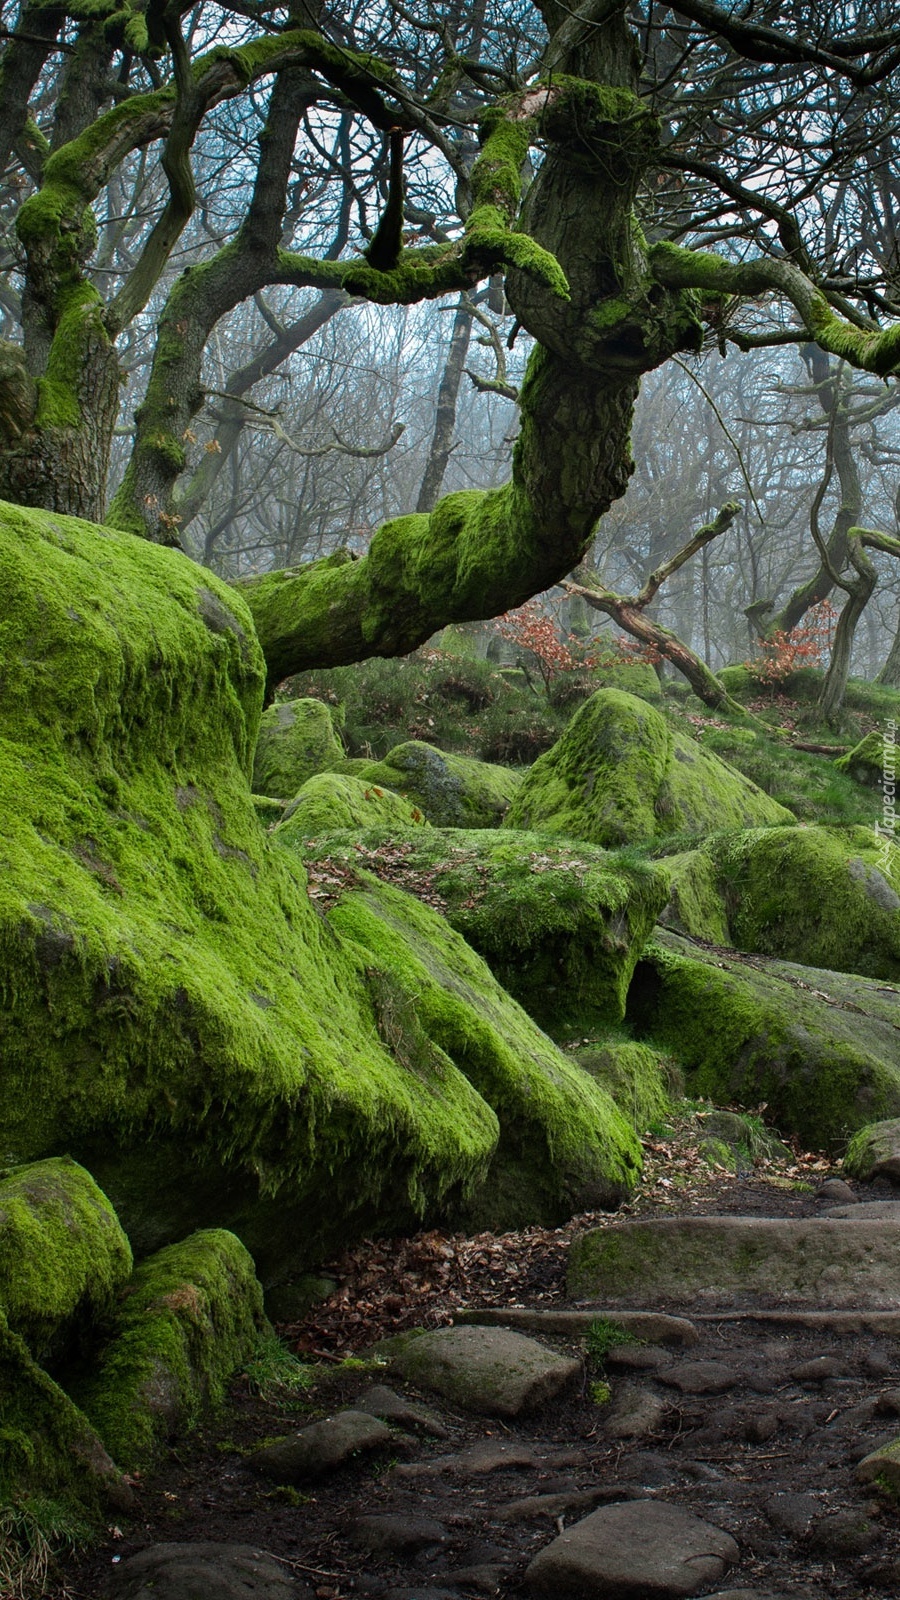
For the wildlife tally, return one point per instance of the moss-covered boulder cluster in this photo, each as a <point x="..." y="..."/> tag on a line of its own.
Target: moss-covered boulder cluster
<point x="241" y="1029"/>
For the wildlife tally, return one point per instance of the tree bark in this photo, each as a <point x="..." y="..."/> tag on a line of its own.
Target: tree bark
<point x="445" y="420"/>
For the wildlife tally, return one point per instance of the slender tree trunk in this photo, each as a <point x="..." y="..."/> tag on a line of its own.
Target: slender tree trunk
<point x="445" y="420"/>
<point x="890" y="672"/>
<point x="859" y="593"/>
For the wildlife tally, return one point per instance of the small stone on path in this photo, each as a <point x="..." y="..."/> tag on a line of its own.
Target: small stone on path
<point x="837" y="1190"/>
<point x="397" y="1534"/>
<point x="700" y="1377"/>
<point x="184" y="1571"/>
<point x="792" y="1513"/>
<point x="491" y="1371"/>
<point x="634" y="1413"/>
<point x="321" y="1448"/>
<point x="380" y="1401"/>
<point x="818" y="1370"/>
<point x="644" y="1548"/>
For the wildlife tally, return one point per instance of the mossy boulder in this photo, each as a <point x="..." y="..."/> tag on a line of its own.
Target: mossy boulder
<point x="868" y="760"/>
<point x="874" y="1152"/>
<point x="819" y="1048"/>
<point x="634" y="677"/>
<point x="560" y="926"/>
<point x="452" y="791"/>
<point x="177" y="1015"/>
<point x="63" y="1255"/>
<point x="825" y="897"/>
<point x="563" y="1146"/>
<point x="332" y="801"/>
<point x="640" y="1079"/>
<point x="621" y="774"/>
<point x="192" y="1314"/>
<point x="47" y="1445"/>
<point x="296" y="738"/>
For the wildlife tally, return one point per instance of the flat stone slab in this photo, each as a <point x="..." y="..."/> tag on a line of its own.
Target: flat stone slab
<point x="884" y="1464"/>
<point x="735" y="1260"/>
<point x="490" y="1371"/>
<point x="649" y="1327"/>
<point x="640" y="1550"/>
<point x="184" y="1571"/>
<point x="321" y="1448"/>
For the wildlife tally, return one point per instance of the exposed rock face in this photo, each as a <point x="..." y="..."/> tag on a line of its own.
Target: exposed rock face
<point x="296" y="739"/>
<point x="644" y="1550"/>
<point x="874" y="1152"/>
<point x="820" y="1048"/>
<point x="321" y="1448"/>
<point x="621" y="773"/>
<point x="171" y="990"/>
<point x="183" y="1571"/>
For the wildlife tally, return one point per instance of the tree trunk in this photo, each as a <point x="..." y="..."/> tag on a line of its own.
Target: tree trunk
<point x="859" y="593"/>
<point x="445" y="420"/>
<point x="890" y="672"/>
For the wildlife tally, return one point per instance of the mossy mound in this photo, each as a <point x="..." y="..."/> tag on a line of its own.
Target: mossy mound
<point x="47" y="1445"/>
<point x="63" y="1255"/>
<point x="874" y="1152"/>
<point x="296" y="738"/>
<point x="563" y="1146"/>
<point x="193" y="1313"/>
<point x="177" y="1014"/>
<point x="560" y="926"/>
<point x="824" y="897"/>
<point x="696" y="904"/>
<point x="332" y="801"/>
<point x="634" y="677"/>
<point x="637" y="1077"/>
<point x="868" y="761"/>
<point x="452" y="791"/>
<point x="622" y="774"/>
<point x="819" y="1048"/>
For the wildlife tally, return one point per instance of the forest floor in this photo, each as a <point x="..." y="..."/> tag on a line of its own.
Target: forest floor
<point x="770" y="1458"/>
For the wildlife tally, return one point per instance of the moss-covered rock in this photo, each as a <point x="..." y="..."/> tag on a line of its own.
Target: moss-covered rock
<point x="867" y="761"/>
<point x="63" y="1255"/>
<point x="560" y="926"/>
<point x="192" y="1314"/>
<point x="639" y="1078"/>
<point x="332" y="801"/>
<point x="819" y="1048"/>
<point x="825" y="897"/>
<point x="452" y="791"/>
<point x="177" y="1015"/>
<point x="563" y="1146"/>
<point x="697" y="903"/>
<point x="621" y="774"/>
<point x="634" y="677"/>
<point x="874" y="1152"/>
<point x="47" y="1445"/>
<point x="296" y="738"/>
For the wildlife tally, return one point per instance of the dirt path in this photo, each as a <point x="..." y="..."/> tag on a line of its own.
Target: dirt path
<point x="756" y="1426"/>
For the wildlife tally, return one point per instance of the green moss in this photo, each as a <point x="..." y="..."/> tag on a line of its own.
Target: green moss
<point x="296" y="739"/>
<point x="167" y="986"/>
<point x="870" y="1148"/>
<point x="63" y="1254"/>
<point x="47" y="1445"/>
<point x="621" y="773"/>
<point x="560" y="927"/>
<point x="868" y="760"/>
<point x="636" y="1076"/>
<point x="332" y="801"/>
<point x="192" y="1314"/>
<point x="80" y="322"/>
<point x="451" y="790"/>
<point x="819" y="1048"/>
<point x="697" y="902"/>
<point x="825" y="897"/>
<point x="563" y="1145"/>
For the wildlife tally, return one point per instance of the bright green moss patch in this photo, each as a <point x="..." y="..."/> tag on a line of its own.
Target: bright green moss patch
<point x="176" y="1014"/>
<point x="638" y="1077"/>
<point x="563" y="1146"/>
<point x="192" y="1314"/>
<point x="331" y="801"/>
<point x="825" y="897"/>
<point x="296" y="739"/>
<point x="696" y="897"/>
<point x="560" y="926"/>
<point x="819" y="1048"/>
<point x="622" y="774"/>
<point x="868" y="760"/>
<point x="452" y="791"/>
<point x="63" y="1254"/>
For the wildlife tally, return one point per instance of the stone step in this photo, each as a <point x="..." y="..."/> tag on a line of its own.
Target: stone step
<point x="740" y="1262"/>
